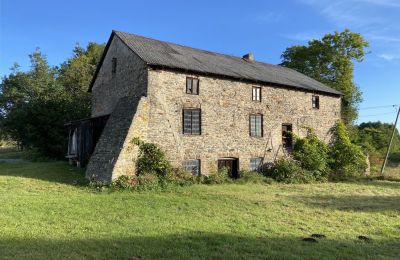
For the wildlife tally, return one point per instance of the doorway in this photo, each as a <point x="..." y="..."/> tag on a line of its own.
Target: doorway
<point x="231" y="164"/>
<point x="287" y="139"/>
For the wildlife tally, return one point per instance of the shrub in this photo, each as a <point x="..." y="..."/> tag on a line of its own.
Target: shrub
<point x="125" y="182"/>
<point x="287" y="170"/>
<point x="312" y="154"/>
<point x="181" y="178"/>
<point x="148" y="181"/>
<point x="346" y="159"/>
<point x="151" y="159"/>
<point x="218" y="177"/>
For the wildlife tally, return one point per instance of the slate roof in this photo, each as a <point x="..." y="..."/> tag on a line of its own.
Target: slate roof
<point x="174" y="56"/>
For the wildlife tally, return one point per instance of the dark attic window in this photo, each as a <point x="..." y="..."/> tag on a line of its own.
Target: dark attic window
<point x="315" y="102"/>
<point x="192" y="86"/>
<point x="114" y="65"/>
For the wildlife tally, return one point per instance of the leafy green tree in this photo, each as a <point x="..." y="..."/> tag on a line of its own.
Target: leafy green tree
<point x="346" y="158"/>
<point x="374" y="137"/>
<point x="330" y="61"/>
<point x="35" y="105"/>
<point x="312" y="154"/>
<point x="77" y="72"/>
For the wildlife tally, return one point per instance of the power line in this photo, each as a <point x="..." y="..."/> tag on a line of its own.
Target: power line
<point x="376" y="107"/>
<point x="381" y="114"/>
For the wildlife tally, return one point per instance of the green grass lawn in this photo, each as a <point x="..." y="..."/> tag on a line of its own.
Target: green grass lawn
<point x="46" y="214"/>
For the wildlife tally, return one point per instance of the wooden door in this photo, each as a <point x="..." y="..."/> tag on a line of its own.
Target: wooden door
<point x="231" y="164"/>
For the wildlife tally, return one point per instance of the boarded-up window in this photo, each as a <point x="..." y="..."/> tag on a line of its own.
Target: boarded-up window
<point x="114" y="65"/>
<point x="192" y="121"/>
<point x="255" y="164"/>
<point x="256" y="96"/>
<point x="256" y="125"/>
<point x="192" y="86"/>
<point x="192" y="166"/>
<point x="315" y="102"/>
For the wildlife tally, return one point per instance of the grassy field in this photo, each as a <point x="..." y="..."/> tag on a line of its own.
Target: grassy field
<point x="46" y="213"/>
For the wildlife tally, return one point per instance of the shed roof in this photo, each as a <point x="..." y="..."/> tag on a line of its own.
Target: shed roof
<point x="174" y="56"/>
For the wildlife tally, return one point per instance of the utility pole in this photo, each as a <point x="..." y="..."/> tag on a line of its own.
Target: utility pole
<point x="390" y="142"/>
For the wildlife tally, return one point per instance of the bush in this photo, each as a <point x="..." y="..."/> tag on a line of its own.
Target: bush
<point x="151" y="159"/>
<point x="181" y="178"/>
<point x="218" y="177"/>
<point x="312" y="154"/>
<point x="287" y="170"/>
<point x="145" y="181"/>
<point x="346" y="160"/>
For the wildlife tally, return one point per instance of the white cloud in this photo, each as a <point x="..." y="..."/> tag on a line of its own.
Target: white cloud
<point x="388" y="57"/>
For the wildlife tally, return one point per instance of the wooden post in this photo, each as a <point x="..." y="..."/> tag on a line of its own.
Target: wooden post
<point x="390" y="143"/>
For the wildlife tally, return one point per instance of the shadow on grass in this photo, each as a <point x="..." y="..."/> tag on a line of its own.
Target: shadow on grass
<point x="352" y="203"/>
<point x="54" y="171"/>
<point x="196" y="245"/>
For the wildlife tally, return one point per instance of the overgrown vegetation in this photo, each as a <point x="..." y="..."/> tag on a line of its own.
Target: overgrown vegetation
<point x="346" y="159"/>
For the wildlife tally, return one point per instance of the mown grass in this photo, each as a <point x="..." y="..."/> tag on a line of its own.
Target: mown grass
<point x="46" y="213"/>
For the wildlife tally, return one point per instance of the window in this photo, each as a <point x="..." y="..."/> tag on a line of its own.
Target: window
<point x="192" y="86"/>
<point x="114" y="65"/>
<point x="192" y="121"/>
<point x="315" y="102"/>
<point x="257" y="94"/>
<point x="256" y="122"/>
<point x="192" y="166"/>
<point x="255" y="164"/>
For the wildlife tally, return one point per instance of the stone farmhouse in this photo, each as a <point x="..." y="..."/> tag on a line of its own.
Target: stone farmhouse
<point x="205" y="110"/>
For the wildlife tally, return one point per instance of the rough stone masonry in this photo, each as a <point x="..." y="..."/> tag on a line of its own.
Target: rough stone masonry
<point x="147" y="101"/>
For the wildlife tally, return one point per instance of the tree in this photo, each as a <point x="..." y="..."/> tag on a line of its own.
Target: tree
<point x="35" y="105"/>
<point x="330" y="61"/>
<point x="374" y="137"/>
<point x="346" y="158"/>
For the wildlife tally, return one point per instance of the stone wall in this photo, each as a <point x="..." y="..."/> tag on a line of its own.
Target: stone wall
<point x="130" y="78"/>
<point x="123" y="96"/>
<point x="225" y="107"/>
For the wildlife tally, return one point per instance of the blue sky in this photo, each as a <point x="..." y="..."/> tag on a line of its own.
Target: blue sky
<point x="265" y="28"/>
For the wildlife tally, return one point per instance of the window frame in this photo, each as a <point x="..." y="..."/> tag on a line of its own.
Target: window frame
<point x="254" y="94"/>
<point x="198" y="173"/>
<point x="262" y="125"/>
<point x="191" y="121"/>
<point x="114" y="65"/>
<point x="259" y="164"/>
<point x="191" y="91"/>
<point x="315" y="102"/>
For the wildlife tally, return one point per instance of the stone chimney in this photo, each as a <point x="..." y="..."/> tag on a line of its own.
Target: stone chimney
<point x="248" y="57"/>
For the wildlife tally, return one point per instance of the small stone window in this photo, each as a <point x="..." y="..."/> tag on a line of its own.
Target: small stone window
<point x="256" y="125"/>
<point x="192" y="86"/>
<point x="114" y="65"/>
<point x="315" y="102"/>
<point x="255" y="164"/>
<point x="192" y="121"/>
<point x="256" y="96"/>
<point x="192" y="166"/>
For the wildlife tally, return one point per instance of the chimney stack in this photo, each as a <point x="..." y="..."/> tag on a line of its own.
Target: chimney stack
<point x="248" y="57"/>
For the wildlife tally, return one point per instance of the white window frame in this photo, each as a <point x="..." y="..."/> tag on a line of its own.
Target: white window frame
<point x="256" y="94"/>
